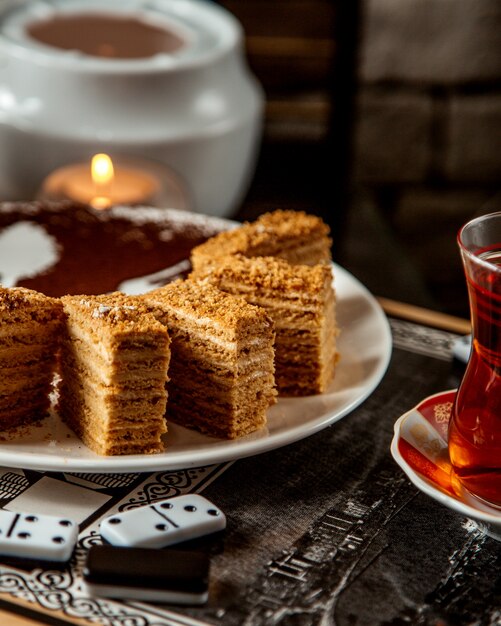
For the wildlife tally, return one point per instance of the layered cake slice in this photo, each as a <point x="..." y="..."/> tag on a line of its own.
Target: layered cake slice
<point x="291" y="235"/>
<point x="221" y="373"/>
<point x="301" y="302"/>
<point x="30" y="325"/>
<point x="115" y="357"/>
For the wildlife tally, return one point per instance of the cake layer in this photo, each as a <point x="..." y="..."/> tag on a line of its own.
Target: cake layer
<point x="110" y="419"/>
<point x="301" y="302"/>
<point x="130" y="374"/>
<point x="136" y="442"/>
<point x="214" y="421"/>
<point x="26" y="332"/>
<point x="29" y="344"/>
<point x="224" y="323"/>
<point x="227" y="391"/>
<point x="222" y="349"/>
<point x="191" y="345"/>
<point x="15" y="411"/>
<point x="110" y="327"/>
<point x="136" y="402"/>
<point x="288" y="310"/>
<point x="292" y="235"/>
<point x="211" y="312"/>
<point x="191" y="350"/>
<point x="114" y="372"/>
<point x="121" y="352"/>
<point x="25" y="414"/>
<point x="34" y="391"/>
<point x="128" y="405"/>
<point x="23" y="383"/>
<point x="296" y="342"/>
<point x="190" y="374"/>
<point x="24" y="355"/>
<point x="39" y="368"/>
<point x="19" y="306"/>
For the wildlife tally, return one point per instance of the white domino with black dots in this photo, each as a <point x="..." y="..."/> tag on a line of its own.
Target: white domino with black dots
<point x="164" y="523"/>
<point x="42" y="537"/>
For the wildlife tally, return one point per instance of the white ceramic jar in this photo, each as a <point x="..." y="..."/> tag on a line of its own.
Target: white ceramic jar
<point x="196" y="110"/>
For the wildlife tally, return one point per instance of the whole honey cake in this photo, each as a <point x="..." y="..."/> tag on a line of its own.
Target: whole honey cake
<point x="300" y="300"/>
<point x="295" y="236"/>
<point x="30" y="325"/>
<point x="114" y="361"/>
<point x="222" y="372"/>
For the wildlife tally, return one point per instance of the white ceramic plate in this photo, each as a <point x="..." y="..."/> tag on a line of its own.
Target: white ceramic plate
<point x="365" y="348"/>
<point x="419" y="446"/>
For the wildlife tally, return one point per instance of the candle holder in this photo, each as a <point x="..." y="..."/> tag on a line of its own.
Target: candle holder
<point x="188" y="104"/>
<point x="126" y="181"/>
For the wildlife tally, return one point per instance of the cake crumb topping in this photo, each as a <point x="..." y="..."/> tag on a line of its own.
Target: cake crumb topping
<point x="279" y="233"/>
<point x="114" y="309"/>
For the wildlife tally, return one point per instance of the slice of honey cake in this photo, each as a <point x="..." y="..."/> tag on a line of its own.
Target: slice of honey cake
<point x="221" y="373"/>
<point x="114" y="362"/>
<point x="30" y="325"/>
<point x="301" y="302"/>
<point x="291" y="235"/>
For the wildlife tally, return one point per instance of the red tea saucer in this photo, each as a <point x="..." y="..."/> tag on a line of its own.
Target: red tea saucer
<point x="419" y="446"/>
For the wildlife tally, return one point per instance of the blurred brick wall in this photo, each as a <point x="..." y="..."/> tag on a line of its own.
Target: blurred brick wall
<point x="428" y="137"/>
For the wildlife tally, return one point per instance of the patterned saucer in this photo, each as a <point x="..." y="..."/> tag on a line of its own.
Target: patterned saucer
<point x="419" y="446"/>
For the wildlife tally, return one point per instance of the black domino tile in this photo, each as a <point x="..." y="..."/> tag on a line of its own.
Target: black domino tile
<point x="175" y="570"/>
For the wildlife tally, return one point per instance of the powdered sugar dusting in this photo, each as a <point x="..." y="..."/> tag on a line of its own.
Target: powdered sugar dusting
<point x="26" y="250"/>
<point x="141" y="215"/>
<point x="103" y="310"/>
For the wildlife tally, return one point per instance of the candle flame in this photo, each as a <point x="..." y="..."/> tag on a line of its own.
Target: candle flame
<point x="101" y="168"/>
<point x="103" y="174"/>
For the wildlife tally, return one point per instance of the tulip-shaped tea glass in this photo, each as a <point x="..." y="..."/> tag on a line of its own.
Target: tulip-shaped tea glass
<point x="475" y="427"/>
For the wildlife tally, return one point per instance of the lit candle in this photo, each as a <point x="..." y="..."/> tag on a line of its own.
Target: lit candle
<point x="102" y="183"/>
<point x="102" y="173"/>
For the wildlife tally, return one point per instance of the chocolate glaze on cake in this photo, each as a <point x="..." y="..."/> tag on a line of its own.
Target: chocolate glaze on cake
<point x="95" y="252"/>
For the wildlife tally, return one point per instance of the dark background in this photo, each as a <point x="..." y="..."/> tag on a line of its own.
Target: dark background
<point x="383" y="117"/>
